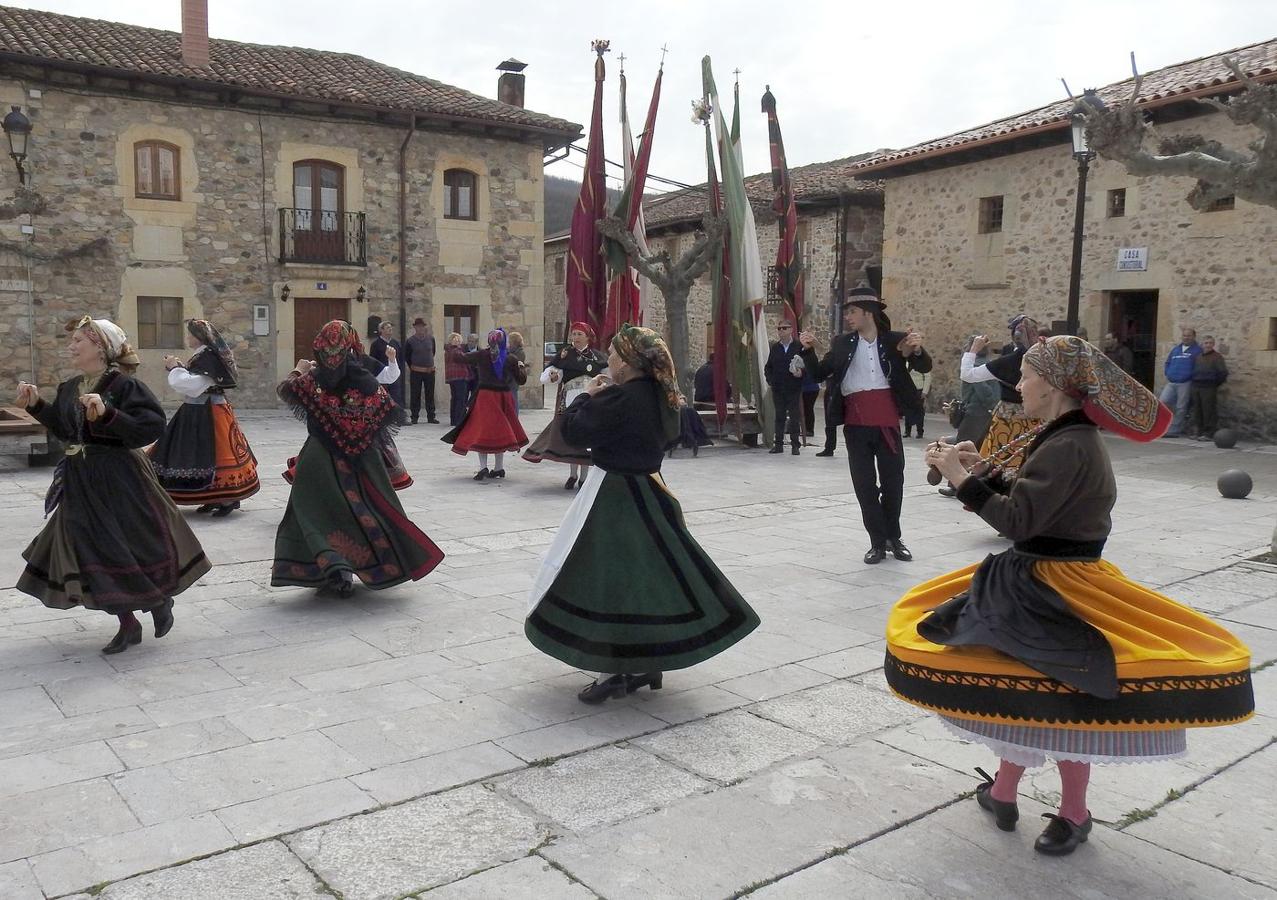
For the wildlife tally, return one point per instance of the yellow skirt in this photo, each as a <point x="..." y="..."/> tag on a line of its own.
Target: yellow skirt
<point x="1175" y="668"/>
<point x="1007" y="423"/>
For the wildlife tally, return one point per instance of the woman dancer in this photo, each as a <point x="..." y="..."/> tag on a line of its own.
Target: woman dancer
<point x="114" y="541"/>
<point x="624" y="589"/>
<point x="491" y="425"/>
<point x="1009" y="419"/>
<point x="343" y="518"/>
<point x="203" y="459"/>
<point x="573" y="367"/>
<point x="1045" y="650"/>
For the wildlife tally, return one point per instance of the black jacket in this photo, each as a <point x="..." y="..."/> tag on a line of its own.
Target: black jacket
<point x="623" y="426"/>
<point x="895" y="366"/>
<point x="776" y="371"/>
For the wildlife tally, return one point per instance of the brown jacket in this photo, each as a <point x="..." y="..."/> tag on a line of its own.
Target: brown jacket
<point x="1065" y="490"/>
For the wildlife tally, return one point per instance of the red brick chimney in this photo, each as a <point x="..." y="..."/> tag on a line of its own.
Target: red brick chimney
<point x="195" y="33"/>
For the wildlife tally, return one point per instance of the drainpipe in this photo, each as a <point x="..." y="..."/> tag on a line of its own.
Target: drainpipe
<point x="403" y="221"/>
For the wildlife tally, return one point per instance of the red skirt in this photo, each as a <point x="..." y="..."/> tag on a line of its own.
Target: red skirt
<point x="491" y="425"/>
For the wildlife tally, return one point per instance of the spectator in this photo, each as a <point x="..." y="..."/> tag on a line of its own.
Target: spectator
<point x="386" y="339"/>
<point x="1209" y="372"/>
<point x="811" y="390"/>
<point x="978" y="399"/>
<point x="915" y="418"/>
<point x="703" y="387"/>
<point x="785" y="377"/>
<point x="514" y="346"/>
<point x="1179" y="379"/>
<point x="457" y="374"/>
<point x="1119" y="353"/>
<point x="419" y="357"/>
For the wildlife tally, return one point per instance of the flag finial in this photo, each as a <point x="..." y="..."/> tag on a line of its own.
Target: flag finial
<point x="621" y="59"/>
<point x="664" y="49"/>
<point x="600" y="46"/>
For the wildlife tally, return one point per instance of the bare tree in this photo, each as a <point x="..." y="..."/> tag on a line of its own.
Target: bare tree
<point x="1119" y="133"/>
<point x="673" y="278"/>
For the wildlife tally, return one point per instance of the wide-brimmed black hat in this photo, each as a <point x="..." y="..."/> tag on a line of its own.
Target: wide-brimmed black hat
<point x="865" y="298"/>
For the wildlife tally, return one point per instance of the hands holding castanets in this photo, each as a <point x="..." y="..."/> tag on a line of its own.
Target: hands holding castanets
<point x="953" y="462"/>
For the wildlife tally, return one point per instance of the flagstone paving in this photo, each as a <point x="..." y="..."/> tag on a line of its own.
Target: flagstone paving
<point x="411" y="743"/>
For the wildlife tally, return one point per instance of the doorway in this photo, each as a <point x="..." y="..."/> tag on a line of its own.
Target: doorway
<point x="311" y="314"/>
<point x="1133" y="321"/>
<point x="464" y="320"/>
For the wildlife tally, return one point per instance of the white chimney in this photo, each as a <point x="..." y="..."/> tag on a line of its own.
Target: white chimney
<point x="195" y="33"/>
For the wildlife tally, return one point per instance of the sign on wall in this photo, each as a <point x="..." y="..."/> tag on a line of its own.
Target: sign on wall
<point x="1132" y="259"/>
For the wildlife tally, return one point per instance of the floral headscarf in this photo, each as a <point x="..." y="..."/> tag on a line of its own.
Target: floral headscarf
<point x="497" y="344"/>
<point x="207" y="334"/>
<point x="111" y="338"/>
<point x="1110" y="398"/>
<point x="646" y="351"/>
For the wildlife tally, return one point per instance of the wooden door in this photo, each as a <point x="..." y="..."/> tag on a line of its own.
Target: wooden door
<point x="318" y="199"/>
<point x="311" y="314"/>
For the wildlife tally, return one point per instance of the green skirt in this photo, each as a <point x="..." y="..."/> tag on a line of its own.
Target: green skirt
<point x="625" y="588"/>
<point x="343" y="516"/>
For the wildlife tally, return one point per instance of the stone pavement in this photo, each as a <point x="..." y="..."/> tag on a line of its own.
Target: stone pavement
<point x="411" y="742"/>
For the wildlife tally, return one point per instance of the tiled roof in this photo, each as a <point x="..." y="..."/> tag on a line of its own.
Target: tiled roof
<point x="812" y="183"/>
<point x="1195" y="78"/>
<point x="310" y="75"/>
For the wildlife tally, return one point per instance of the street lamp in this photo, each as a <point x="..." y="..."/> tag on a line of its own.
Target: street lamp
<point x="17" y="128"/>
<point x="1083" y="153"/>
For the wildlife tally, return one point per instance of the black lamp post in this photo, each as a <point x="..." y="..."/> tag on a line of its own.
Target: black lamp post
<point x="17" y="128"/>
<point x="1083" y="154"/>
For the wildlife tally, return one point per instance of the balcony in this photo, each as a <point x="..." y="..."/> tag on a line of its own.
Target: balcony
<point x="322" y="238"/>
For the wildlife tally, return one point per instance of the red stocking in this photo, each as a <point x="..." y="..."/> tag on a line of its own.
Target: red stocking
<point x="1007" y="781"/>
<point x="1074" y="777"/>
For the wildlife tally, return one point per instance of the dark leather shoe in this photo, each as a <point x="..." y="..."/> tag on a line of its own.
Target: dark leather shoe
<point x="899" y="550"/>
<point x="162" y="616"/>
<point x="432" y="421"/>
<point x="651" y="679"/>
<point x="794" y="450"/>
<point x="570" y="483"/>
<point x="600" y="691"/>
<point x="482" y="474"/>
<point x="206" y="508"/>
<point x="875" y="555"/>
<point x="225" y="510"/>
<point x="947" y="491"/>
<point x="498" y="473"/>
<point x="1005" y="814"/>
<point x="1061" y="837"/>
<point x="776" y="448"/>
<point x="124" y="638"/>
<point x="825" y="453"/>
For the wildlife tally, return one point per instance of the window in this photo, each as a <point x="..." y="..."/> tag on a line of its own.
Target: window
<point x="459" y="194"/>
<point x="317" y="195"/>
<point x="1116" y="207"/>
<point x="559" y="264"/>
<point x="1222" y="203"/>
<point x="156" y="175"/>
<point x="159" y="323"/>
<point x="990" y="215"/>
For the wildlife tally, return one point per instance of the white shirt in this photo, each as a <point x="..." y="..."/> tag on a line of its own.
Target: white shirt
<point x="188" y="384"/>
<point x="389" y="373"/>
<point x="865" y="372"/>
<point x="973" y="374"/>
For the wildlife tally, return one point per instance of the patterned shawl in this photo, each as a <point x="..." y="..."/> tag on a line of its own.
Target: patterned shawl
<point x="214" y="344"/>
<point x="646" y="351"/>
<point x="1110" y="398"/>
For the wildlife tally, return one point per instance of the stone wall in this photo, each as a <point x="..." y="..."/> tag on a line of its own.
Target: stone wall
<point x="1211" y="270"/>
<point x="818" y="227"/>
<point x="217" y="248"/>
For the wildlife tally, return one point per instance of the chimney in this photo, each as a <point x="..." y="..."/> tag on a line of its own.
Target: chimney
<point x="510" y="84"/>
<point x="195" y="33"/>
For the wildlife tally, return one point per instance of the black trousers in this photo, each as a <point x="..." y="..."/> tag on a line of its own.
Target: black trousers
<point x="457" y="408"/>
<point x="915" y="419"/>
<point x="1204" y="411"/>
<point x="809" y="411"/>
<point x="786" y="405"/>
<point x="878" y="477"/>
<point x="422" y="381"/>
<point x="831" y="431"/>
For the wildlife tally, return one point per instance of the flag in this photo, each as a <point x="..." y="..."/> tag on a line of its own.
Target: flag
<point x="625" y="291"/>
<point x="789" y="260"/>
<point x="586" y="278"/>
<point x="747" y="291"/>
<point x="726" y="349"/>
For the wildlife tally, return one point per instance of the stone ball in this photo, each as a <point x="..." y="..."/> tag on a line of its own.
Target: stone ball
<point x="1234" y="484"/>
<point x="1226" y="438"/>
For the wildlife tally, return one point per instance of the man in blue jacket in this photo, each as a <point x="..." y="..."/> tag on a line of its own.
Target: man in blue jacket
<point x="1179" y="379"/>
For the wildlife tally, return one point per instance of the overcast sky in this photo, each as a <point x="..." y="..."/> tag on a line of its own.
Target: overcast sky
<point x="848" y="77"/>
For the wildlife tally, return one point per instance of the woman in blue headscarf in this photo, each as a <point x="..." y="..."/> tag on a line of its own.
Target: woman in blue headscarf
<point x="492" y="424"/>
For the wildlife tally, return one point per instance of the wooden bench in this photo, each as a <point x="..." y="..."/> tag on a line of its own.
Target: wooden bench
<point x="21" y="434"/>
<point x="746" y="428"/>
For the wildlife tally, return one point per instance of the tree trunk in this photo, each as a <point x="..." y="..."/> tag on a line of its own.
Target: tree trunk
<point x="676" y="318"/>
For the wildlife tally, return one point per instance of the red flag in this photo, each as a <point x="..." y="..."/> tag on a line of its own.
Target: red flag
<point x="789" y="261"/>
<point x="624" y="299"/>
<point x="587" y="269"/>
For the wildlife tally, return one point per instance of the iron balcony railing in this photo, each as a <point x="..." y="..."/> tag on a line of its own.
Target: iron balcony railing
<point x="329" y="238"/>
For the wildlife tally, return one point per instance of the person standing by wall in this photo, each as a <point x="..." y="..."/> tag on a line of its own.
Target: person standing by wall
<point x="1179" y="379"/>
<point x="1209" y="372"/>
<point x="514" y="342"/>
<point x="1121" y="354"/>
<point x="419" y="357"/>
<point x="915" y="418"/>
<point x="457" y="374"/>
<point x="384" y="341"/>
<point x="786" y="380"/>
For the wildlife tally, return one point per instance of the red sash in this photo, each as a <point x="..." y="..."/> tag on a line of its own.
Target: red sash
<point x="874" y="409"/>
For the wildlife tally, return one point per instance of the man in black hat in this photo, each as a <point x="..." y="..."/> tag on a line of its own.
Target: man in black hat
<point x="419" y="355"/>
<point x="870" y="365"/>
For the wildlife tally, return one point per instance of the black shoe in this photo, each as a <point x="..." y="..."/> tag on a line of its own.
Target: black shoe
<point x="1061" y="837"/>
<point x="124" y="638"/>
<point x="413" y="422"/>
<point x="919" y="435"/>
<point x="498" y="473"/>
<point x="825" y="453"/>
<point x="899" y="550"/>
<point x="206" y="508"/>
<point x="432" y="421"/>
<point x="794" y="450"/>
<point x="651" y="679"/>
<point x="1005" y="814"/>
<point x="225" y="510"/>
<point x="907" y="434"/>
<point x="482" y="474"/>
<point x="947" y="491"/>
<point x="570" y="483"/>
<point x="608" y="689"/>
<point x="777" y="448"/>
<point x="875" y="555"/>
<point x="162" y="616"/>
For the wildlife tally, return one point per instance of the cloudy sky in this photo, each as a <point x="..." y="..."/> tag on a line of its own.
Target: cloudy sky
<point x="848" y="77"/>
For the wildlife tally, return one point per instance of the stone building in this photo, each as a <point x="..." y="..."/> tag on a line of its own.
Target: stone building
<point x="831" y="204"/>
<point x="265" y="188"/>
<point x="979" y="226"/>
